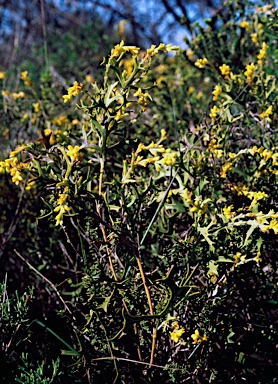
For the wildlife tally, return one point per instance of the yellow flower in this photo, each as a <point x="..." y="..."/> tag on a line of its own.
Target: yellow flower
<point x="274" y="225"/>
<point x="2" y="75"/>
<point x="12" y="167"/>
<point x="154" y="50"/>
<point x="216" y="92"/>
<point x="18" y="95"/>
<point x="225" y="69"/>
<point x="258" y="258"/>
<point x="239" y="258"/>
<point x="26" y="78"/>
<point x="60" y="121"/>
<point x="30" y="185"/>
<point x="254" y="38"/>
<point x="262" y="55"/>
<point x="17" y="150"/>
<point x="168" y="158"/>
<point x="190" y="90"/>
<point x="62" y="207"/>
<point x="74" y="153"/>
<point x="177" y="332"/>
<point x="121" y="48"/>
<point x="36" y="107"/>
<point x="16" y="176"/>
<point x="226" y="167"/>
<point x="265" y="9"/>
<point x="142" y="98"/>
<point x="73" y="91"/>
<point x="187" y="196"/>
<point x="228" y="211"/>
<point x="265" y="115"/>
<point x="213" y="112"/>
<point x="163" y="134"/>
<point x="250" y="70"/>
<point x="89" y="78"/>
<point x="197" y="338"/>
<point x="244" y="24"/>
<point x="200" y="63"/>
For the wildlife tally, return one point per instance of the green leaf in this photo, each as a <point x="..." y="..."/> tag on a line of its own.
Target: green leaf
<point x="69" y="353"/>
<point x="229" y="337"/>
<point x="222" y="259"/>
<point x="205" y="233"/>
<point x="104" y="305"/>
<point x="107" y="99"/>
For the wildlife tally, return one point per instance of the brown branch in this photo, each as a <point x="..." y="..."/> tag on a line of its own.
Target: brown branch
<point x="45" y="279"/>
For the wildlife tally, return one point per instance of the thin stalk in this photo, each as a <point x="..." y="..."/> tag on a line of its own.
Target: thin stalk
<point x="150" y="307"/>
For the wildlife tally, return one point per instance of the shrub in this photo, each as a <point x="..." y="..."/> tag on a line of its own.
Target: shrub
<point x="159" y="190"/>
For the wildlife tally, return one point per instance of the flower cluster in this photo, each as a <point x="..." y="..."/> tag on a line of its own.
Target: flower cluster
<point x="154" y="50"/>
<point x="142" y="98"/>
<point x="214" y="148"/>
<point x="228" y="212"/>
<point x="250" y="71"/>
<point x="214" y="112"/>
<point x="225" y="70"/>
<point x="262" y="55"/>
<point x="226" y="167"/>
<point x="73" y="91"/>
<point x="197" y="338"/>
<point x="265" y="115"/>
<point x="26" y="79"/>
<point x="74" y="153"/>
<point x="216" y="92"/>
<point x="177" y="332"/>
<point x="245" y="25"/>
<point x="160" y="156"/>
<point x="62" y="207"/>
<point x="12" y="167"/>
<point x="200" y="63"/>
<point x="13" y="95"/>
<point x="121" y="48"/>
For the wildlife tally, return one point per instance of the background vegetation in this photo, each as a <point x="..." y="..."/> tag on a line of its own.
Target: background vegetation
<point x="139" y="213"/>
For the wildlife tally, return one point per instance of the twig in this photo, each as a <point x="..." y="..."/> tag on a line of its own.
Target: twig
<point x="45" y="279"/>
<point x="136" y="362"/>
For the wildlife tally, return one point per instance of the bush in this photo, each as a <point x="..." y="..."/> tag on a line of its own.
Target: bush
<point x="158" y="195"/>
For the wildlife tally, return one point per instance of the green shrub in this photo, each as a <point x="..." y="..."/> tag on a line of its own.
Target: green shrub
<point x="159" y="189"/>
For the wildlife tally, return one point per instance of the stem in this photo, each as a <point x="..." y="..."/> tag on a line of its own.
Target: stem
<point x="45" y="279"/>
<point x="108" y="252"/>
<point x="102" y="162"/>
<point x="150" y="307"/>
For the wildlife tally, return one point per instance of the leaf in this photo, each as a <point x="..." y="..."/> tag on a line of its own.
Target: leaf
<point x="205" y="233"/>
<point x="213" y="268"/>
<point x="241" y="358"/>
<point x="104" y="305"/>
<point x="70" y="353"/>
<point x="250" y="231"/>
<point x="114" y="208"/>
<point x="229" y="337"/>
<point x="107" y="99"/>
<point x="222" y="259"/>
<point x="272" y="88"/>
<point x="201" y="185"/>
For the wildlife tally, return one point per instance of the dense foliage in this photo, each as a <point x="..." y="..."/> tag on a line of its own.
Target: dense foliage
<point x="142" y="210"/>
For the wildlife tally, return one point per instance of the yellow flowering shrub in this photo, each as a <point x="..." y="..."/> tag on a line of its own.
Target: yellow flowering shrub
<point x="157" y="186"/>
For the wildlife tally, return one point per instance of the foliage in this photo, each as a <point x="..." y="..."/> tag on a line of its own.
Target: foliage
<point x="156" y="186"/>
